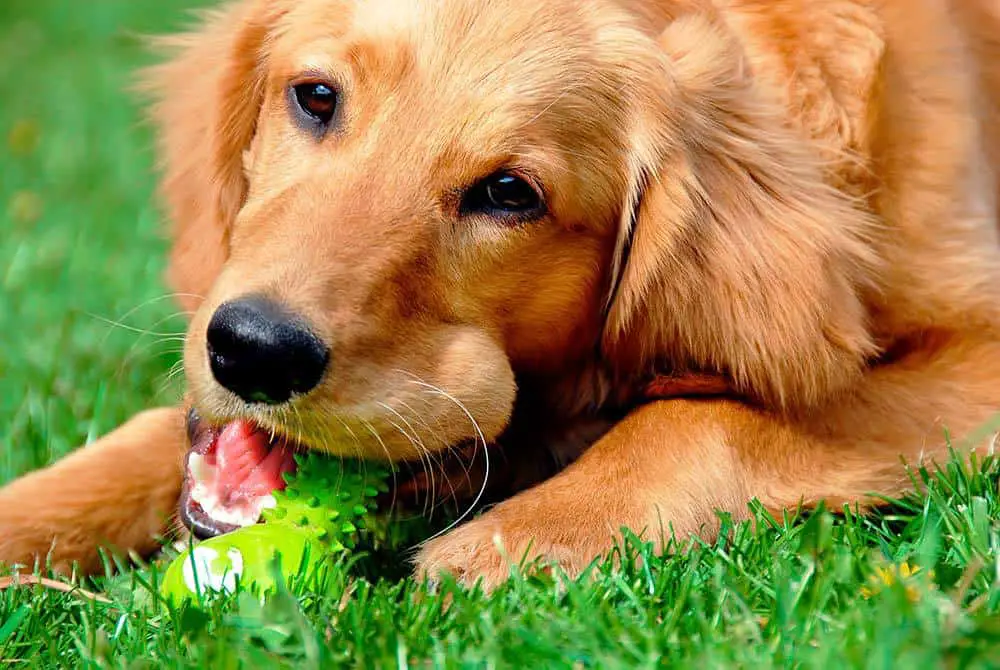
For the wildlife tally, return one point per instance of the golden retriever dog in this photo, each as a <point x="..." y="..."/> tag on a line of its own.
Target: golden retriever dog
<point x="664" y="256"/>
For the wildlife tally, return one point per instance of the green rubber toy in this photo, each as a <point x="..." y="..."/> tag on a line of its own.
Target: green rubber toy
<point x="315" y="518"/>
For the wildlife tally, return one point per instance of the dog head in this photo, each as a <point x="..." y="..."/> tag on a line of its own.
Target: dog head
<point x="390" y="213"/>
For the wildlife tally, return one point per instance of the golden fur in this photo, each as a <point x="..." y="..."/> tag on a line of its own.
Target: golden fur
<point x="797" y="196"/>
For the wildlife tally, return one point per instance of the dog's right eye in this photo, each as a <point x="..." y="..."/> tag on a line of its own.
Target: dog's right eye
<point x="316" y="101"/>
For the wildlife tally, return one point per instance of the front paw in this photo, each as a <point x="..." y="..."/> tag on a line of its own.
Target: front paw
<point x="488" y="550"/>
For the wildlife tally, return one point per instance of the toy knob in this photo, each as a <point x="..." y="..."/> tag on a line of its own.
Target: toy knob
<point x="245" y="557"/>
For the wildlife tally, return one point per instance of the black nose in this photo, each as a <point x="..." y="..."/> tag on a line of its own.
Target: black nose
<point x="262" y="353"/>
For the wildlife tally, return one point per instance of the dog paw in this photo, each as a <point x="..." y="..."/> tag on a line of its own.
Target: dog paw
<point x="488" y="550"/>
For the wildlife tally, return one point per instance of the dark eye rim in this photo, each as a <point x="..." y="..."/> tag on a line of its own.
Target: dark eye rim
<point x="477" y="191"/>
<point x="313" y="122"/>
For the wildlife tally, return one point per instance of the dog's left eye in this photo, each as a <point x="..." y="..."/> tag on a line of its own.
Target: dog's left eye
<point x="317" y="100"/>
<point x="503" y="195"/>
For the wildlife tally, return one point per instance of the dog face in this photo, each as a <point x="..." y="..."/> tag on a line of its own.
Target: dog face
<point x="432" y="193"/>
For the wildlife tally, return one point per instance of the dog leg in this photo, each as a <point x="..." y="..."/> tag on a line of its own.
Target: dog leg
<point x="670" y="464"/>
<point x="118" y="493"/>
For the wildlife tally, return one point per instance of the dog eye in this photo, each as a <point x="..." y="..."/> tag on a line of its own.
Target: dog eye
<point x="503" y="195"/>
<point x="318" y="101"/>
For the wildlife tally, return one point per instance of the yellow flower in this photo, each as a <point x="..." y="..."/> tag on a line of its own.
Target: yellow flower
<point x="888" y="575"/>
<point x="25" y="207"/>
<point x="23" y="137"/>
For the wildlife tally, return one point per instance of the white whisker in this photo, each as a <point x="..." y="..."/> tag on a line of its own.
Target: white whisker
<point x="388" y="457"/>
<point x="133" y="329"/>
<point x="422" y="453"/>
<point x="151" y="301"/>
<point x="439" y="460"/>
<point x="422" y="449"/>
<point x="486" y="455"/>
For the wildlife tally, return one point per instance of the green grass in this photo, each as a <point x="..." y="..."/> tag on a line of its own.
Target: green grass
<point x="86" y="341"/>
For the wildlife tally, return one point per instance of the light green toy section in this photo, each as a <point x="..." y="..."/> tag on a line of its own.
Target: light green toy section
<point x="318" y="515"/>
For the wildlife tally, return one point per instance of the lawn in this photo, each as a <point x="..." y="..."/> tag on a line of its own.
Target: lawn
<point x="89" y="337"/>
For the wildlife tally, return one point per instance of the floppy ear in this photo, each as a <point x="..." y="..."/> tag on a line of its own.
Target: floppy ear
<point x="208" y="97"/>
<point x="735" y="256"/>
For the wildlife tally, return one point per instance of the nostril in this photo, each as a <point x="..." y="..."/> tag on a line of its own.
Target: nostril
<point x="263" y="353"/>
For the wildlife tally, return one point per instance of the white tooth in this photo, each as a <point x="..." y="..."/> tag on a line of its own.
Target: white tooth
<point x="199" y="467"/>
<point x="203" y="491"/>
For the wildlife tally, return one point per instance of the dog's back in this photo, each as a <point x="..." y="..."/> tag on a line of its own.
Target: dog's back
<point x="979" y="21"/>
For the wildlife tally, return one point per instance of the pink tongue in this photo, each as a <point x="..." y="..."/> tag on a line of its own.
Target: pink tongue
<point x="248" y="464"/>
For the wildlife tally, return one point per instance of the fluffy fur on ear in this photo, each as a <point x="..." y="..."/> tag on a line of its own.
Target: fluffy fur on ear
<point x="208" y="97"/>
<point x="735" y="254"/>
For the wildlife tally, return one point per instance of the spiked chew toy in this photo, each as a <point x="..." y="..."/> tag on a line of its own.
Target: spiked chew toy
<point x="316" y="517"/>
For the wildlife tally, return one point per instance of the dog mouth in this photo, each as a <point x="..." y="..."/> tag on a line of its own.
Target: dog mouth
<point x="230" y="474"/>
<point x="232" y="469"/>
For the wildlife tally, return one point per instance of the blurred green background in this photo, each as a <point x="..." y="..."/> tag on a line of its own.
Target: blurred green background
<point x="87" y="334"/>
